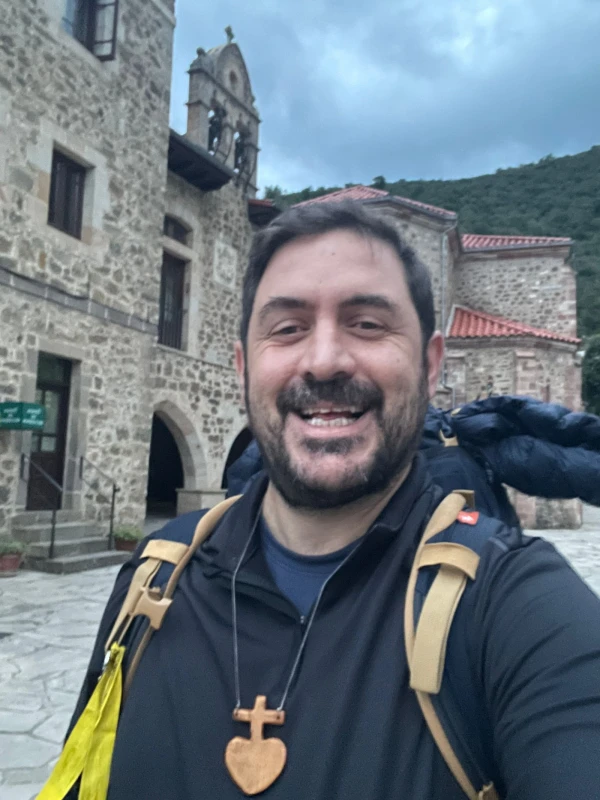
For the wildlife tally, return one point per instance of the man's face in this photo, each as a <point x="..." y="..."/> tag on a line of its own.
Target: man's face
<point x="334" y="375"/>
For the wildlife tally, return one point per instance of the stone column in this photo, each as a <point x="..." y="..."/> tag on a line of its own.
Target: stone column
<point x="195" y="499"/>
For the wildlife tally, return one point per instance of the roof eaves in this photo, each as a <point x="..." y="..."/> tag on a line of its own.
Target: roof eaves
<point x="521" y="246"/>
<point x="418" y="208"/>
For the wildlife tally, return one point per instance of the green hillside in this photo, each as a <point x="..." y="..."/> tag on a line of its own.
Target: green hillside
<point x="555" y="197"/>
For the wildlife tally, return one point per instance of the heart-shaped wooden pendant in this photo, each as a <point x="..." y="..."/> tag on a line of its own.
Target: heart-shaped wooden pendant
<point x="256" y="763"/>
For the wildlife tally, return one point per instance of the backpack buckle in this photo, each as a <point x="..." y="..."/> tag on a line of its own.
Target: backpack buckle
<point x="153" y="605"/>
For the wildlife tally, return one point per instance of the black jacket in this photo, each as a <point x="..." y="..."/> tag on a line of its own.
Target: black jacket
<point x="354" y="730"/>
<point x="541" y="449"/>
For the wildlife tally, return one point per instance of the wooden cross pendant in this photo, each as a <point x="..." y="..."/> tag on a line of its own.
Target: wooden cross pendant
<point x="256" y="763"/>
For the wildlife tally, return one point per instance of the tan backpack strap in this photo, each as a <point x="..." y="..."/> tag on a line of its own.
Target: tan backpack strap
<point x="143" y="575"/>
<point x="426" y="649"/>
<point x="429" y="650"/>
<point x="444" y="746"/>
<point x="154" y="605"/>
<point x="155" y="552"/>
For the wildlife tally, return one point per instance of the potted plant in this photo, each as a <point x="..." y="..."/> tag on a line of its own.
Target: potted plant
<point x="127" y="537"/>
<point x="11" y="556"/>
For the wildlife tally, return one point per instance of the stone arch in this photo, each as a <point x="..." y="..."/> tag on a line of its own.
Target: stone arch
<point x="193" y="460"/>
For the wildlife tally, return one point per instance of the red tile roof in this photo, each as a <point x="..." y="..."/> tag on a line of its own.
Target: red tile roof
<point x="368" y="193"/>
<point x="254" y="201"/>
<point x="474" y="241"/>
<point x="351" y="193"/>
<point x="469" y="324"/>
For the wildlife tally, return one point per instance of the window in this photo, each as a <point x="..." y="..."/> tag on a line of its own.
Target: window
<point x="94" y="24"/>
<point x="170" y="321"/>
<point x="66" y="194"/>
<point x="176" y="230"/>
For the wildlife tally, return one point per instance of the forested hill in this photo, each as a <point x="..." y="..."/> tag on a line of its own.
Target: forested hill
<point x="555" y="197"/>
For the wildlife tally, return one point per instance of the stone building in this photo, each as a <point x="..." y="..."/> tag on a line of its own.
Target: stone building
<point x="507" y="305"/>
<point x="122" y="245"/>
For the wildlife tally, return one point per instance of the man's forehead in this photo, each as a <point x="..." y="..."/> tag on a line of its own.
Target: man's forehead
<point x="340" y="261"/>
<point x="357" y="246"/>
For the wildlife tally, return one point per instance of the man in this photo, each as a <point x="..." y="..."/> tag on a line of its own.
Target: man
<point x="298" y="595"/>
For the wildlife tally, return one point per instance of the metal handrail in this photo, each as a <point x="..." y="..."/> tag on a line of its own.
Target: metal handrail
<point x="115" y="489"/>
<point x="25" y="458"/>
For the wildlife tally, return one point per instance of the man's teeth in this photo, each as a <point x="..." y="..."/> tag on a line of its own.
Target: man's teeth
<point x="336" y="422"/>
<point x="337" y="410"/>
<point x="336" y="417"/>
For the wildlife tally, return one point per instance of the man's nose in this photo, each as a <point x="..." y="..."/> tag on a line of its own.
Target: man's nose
<point x="326" y="354"/>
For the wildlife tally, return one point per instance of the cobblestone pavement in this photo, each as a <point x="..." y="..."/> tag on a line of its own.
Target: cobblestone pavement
<point x="51" y="622"/>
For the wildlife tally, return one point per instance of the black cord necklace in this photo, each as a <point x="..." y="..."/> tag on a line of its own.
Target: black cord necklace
<point x="256" y="763"/>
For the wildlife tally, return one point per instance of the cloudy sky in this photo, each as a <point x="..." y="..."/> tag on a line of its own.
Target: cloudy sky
<point x="351" y="89"/>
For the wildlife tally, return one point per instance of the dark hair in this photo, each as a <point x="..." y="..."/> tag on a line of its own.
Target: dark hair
<point x="323" y="217"/>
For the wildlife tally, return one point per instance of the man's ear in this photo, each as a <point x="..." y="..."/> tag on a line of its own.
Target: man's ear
<point x="435" y="359"/>
<point x="240" y="368"/>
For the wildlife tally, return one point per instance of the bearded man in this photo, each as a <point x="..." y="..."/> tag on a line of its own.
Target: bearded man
<point x="289" y="618"/>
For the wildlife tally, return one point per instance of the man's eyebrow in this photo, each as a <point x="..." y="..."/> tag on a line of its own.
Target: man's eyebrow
<point x="281" y="304"/>
<point x="370" y="300"/>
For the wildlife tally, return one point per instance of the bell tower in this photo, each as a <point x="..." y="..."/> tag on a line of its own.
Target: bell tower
<point x="222" y="117"/>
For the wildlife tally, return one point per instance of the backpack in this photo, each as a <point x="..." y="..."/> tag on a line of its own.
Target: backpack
<point x="446" y="559"/>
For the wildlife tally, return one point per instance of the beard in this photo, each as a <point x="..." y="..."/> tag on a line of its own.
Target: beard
<point x="399" y="433"/>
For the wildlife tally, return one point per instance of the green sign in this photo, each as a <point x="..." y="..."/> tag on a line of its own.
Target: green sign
<point x="22" y="416"/>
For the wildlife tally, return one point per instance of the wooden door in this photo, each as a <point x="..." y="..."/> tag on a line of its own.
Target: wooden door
<point x="48" y="446"/>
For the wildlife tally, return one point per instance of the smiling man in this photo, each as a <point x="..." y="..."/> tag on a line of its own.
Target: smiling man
<point x="338" y="367"/>
<point x="280" y="667"/>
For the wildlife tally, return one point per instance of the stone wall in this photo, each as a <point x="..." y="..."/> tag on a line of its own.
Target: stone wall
<point x="110" y="404"/>
<point x="538" y="289"/>
<point x="200" y="403"/>
<point x="427" y="239"/>
<point x="112" y="117"/>
<point x="470" y="368"/>
<point x="197" y="391"/>
<point x="539" y="369"/>
<point x="220" y="240"/>
<point x="545" y="370"/>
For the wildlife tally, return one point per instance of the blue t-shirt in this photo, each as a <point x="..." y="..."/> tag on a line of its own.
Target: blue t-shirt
<point x="299" y="577"/>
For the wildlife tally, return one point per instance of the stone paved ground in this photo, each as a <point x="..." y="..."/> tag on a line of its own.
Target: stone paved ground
<point x="51" y="621"/>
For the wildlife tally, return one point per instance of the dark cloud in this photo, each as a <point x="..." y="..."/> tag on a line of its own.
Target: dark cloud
<point x="450" y="88"/>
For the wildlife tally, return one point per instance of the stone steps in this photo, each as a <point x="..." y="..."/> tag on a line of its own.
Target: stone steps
<point x="39" y="532"/>
<point x="78" y="545"/>
<point x="25" y="518"/>
<point x="68" y="547"/>
<point x="77" y="563"/>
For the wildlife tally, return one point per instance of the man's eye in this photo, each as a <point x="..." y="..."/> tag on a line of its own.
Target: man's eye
<point x="286" y="330"/>
<point x="367" y="325"/>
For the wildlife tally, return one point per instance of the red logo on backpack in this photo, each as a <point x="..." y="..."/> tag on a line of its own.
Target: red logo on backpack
<point x="468" y="517"/>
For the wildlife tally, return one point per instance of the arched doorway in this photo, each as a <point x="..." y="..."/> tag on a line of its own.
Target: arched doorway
<point x="240" y="443"/>
<point x="165" y="471"/>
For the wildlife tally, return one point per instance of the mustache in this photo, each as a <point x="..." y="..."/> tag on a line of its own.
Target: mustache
<point x="337" y="391"/>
